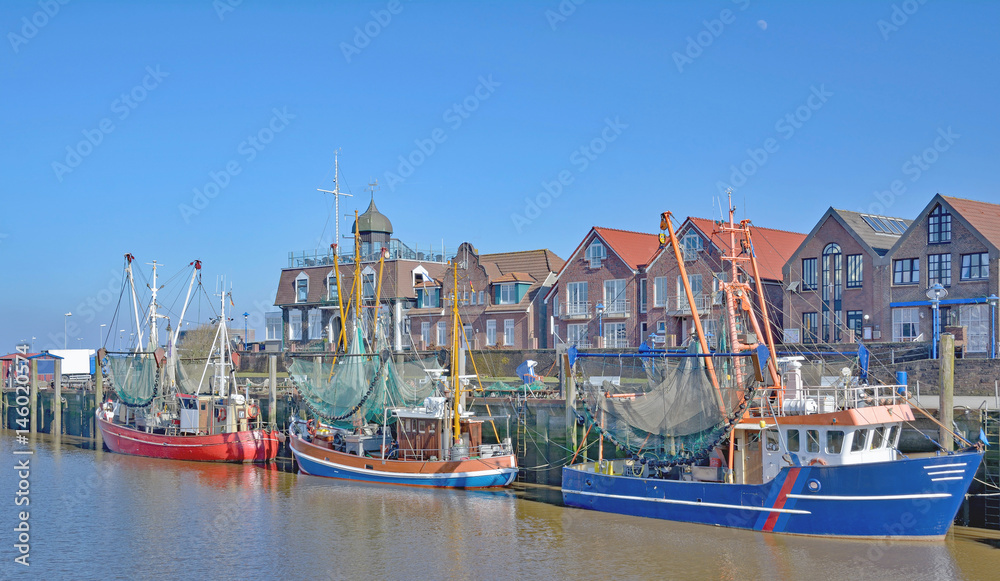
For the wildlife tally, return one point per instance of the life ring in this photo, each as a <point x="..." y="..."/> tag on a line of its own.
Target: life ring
<point x="220" y="414"/>
<point x="311" y="427"/>
<point x="817" y="462"/>
<point x="253" y="411"/>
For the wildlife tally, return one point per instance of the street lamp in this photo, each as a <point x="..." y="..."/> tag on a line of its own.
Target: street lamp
<point x="993" y="299"/>
<point x="66" y="327"/>
<point x="863" y="325"/>
<point x="600" y="323"/>
<point x="245" y="315"/>
<point x="935" y="294"/>
<point x="100" y="333"/>
<point x="32" y="347"/>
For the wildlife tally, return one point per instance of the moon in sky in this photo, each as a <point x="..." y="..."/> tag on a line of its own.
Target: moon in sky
<point x="762" y="24"/>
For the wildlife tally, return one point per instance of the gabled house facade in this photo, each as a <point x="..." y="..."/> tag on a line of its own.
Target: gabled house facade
<point x="836" y="283"/>
<point x="668" y="313"/>
<point x="499" y="296"/>
<point x="953" y="242"/>
<point x="599" y="297"/>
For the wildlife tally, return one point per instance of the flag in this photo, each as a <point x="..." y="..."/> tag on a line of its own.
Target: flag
<point x="983" y="438"/>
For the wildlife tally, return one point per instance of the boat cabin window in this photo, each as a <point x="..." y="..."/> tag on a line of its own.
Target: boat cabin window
<point x="834" y="441"/>
<point x="893" y="440"/>
<point x="422" y="426"/>
<point x="878" y="437"/>
<point x="188" y="403"/>
<point x="858" y="444"/>
<point x="793" y="440"/>
<point x="771" y="440"/>
<point x="812" y="441"/>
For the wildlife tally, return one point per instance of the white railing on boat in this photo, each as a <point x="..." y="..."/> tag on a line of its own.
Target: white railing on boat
<point x="828" y="399"/>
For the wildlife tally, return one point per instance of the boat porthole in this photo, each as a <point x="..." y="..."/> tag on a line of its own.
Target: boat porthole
<point x="813" y="485"/>
<point x="588" y="483"/>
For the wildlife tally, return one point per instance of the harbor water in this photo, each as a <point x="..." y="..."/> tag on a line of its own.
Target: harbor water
<point x="98" y="515"/>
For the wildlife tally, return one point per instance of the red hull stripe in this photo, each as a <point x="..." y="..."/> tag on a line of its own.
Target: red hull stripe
<point x="779" y="502"/>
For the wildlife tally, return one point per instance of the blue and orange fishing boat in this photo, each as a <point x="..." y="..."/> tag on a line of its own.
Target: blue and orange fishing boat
<point x="732" y="437"/>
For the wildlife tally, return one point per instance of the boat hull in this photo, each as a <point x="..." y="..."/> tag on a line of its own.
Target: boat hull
<point x="472" y="473"/>
<point x="245" y="446"/>
<point x="914" y="498"/>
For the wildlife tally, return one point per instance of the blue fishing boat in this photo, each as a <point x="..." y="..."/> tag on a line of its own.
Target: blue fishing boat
<point x="733" y="436"/>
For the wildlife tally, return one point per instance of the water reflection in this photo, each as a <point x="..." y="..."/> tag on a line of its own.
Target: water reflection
<point x="100" y="515"/>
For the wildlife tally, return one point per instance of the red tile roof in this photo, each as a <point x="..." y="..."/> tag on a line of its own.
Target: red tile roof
<point x="515" y="277"/>
<point x="983" y="216"/>
<point x="773" y="247"/>
<point x="635" y="248"/>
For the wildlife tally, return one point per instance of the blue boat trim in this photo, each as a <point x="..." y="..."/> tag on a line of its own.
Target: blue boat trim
<point x="696" y="503"/>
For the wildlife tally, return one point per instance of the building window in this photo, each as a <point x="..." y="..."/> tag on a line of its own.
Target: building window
<point x="855" y="322"/>
<point x="508" y="332"/>
<point x="854" y="270"/>
<point x="938" y="226"/>
<point x="596" y="253"/>
<point x="906" y="271"/>
<point x="272" y="326"/>
<point x="429" y="297"/>
<point x="577" y="335"/>
<point x="442" y="334"/>
<point x="905" y="324"/>
<point x="295" y="325"/>
<point x="832" y="273"/>
<point x="660" y="291"/>
<point x="576" y="299"/>
<point x="692" y="244"/>
<point x="368" y="283"/>
<point x="466" y="335"/>
<point x="331" y="287"/>
<point x="614" y="335"/>
<point x="482" y="297"/>
<point x="696" y="289"/>
<point x="975" y="266"/>
<point x="810" y="327"/>
<point x="315" y="326"/>
<point x="425" y="334"/>
<point x="491" y="333"/>
<point x="302" y="288"/>
<point x="808" y="274"/>
<point x="939" y="269"/>
<point x="614" y="296"/>
<point x="642" y="295"/>
<point x="506" y="295"/>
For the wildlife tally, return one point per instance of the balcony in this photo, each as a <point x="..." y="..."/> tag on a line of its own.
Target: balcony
<point x="616" y="309"/>
<point x="681" y="308"/>
<point x="570" y="311"/>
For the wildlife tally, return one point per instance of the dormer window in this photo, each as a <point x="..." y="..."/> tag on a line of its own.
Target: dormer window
<point x="331" y="286"/>
<point x="692" y="245"/>
<point x="506" y="294"/>
<point x="596" y="253"/>
<point x="302" y="288"/>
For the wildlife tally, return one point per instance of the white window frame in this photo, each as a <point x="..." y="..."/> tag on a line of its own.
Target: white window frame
<point x="577" y="298"/>
<point x="442" y="334"/>
<point x="368" y="283"/>
<point x="315" y="317"/>
<point x="507" y="294"/>
<point x="299" y="287"/>
<point x="482" y="297"/>
<point x="596" y="253"/>
<point x="614" y="296"/>
<point x="905" y="319"/>
<point x="331" y="287"/>
<point x="615" y="335"/>
<point x="491" y="333"/>
<point x="691" y="244"/>
<point x="697" y="289"/>
<point x="660" y="291"/>
<point x="272" y="326"/>
<point x="576" y="334"/>
<point x="508" y="332"/>
<point x="425" y="334"/>
<point x="643" y="294"/>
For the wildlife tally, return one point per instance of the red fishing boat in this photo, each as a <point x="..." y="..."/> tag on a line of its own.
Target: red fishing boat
<point x="181" y="423"/>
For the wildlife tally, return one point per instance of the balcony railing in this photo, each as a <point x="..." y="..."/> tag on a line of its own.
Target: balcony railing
<point x="681" y="307"/>
<point x="369" y="253"/>
<point x="616" y="308"/>
<point x="574" y="310"/>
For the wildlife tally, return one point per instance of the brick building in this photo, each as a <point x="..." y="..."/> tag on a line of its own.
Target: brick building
<point x="500" y="300"/>
<point x="668" y="313"/>
<point x="597" y="299"/>
<point x="308" y="292"/>
<point x="953" y="242"/>
<point x="836" y="287"/>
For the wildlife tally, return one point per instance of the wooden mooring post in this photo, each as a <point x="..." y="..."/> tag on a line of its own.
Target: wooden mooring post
<point x="946" y="352"/>
<point x="56" y="428"/>
<point x="272" y="380"/>
<point x="98" y="401"/>
<point x="33" y="397"/>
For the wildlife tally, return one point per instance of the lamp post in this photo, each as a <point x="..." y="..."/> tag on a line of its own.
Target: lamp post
<point x="993" y="299"/>
<point x="32" y="346"/>
<point x="100" y="333"/>
<point x="66" y="327"/>
<point x="600" y="323"/>
<point x="935" y="294"/>
<point x="863" y="325"/>
<point x="245" y="315"/>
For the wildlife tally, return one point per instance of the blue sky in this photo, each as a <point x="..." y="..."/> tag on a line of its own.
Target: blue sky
<point x="116" y="114"/>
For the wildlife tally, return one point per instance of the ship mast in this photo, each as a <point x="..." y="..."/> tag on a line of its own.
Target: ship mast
<point x="456" y="385"/>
